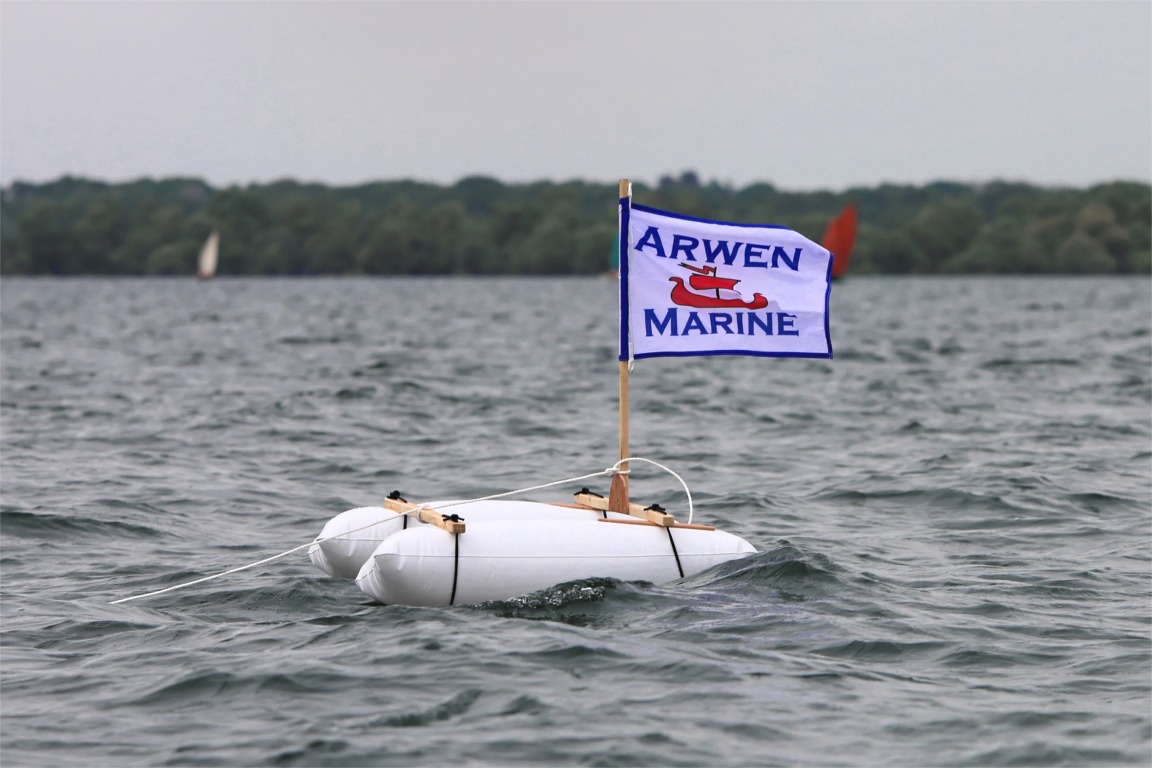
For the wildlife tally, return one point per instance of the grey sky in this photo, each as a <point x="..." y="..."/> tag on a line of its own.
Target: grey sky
<point x="805" y="95"/>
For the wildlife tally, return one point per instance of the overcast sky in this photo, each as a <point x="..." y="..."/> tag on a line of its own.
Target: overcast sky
<point x="805" y="95"/>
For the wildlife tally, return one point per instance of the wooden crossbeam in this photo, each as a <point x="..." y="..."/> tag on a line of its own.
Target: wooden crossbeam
<point x="652" y="515"/>
<point x="425" y="515"/>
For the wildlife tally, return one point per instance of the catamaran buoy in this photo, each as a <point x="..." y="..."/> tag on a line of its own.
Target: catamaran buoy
<point x="771" y="301"/>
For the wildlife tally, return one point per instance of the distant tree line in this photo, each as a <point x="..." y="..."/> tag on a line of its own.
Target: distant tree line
<point x="481" y="226"/>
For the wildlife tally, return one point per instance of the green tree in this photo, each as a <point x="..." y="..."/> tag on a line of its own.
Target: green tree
<point x="1001" y="247"/>
<point x="241" y="216"/>
<point x="944" y="229"/>
<point x="1081" y="254"/>
<point x="49" y="239"/>
<point x="894" y="253"/>
<point x="171" y="259"/>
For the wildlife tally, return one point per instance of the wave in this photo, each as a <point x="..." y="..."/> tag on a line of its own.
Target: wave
<point x="438" y="713"/>
<point x="36" y="525"/>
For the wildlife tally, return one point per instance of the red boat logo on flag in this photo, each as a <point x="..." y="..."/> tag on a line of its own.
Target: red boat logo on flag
<point x="705" y="279"/>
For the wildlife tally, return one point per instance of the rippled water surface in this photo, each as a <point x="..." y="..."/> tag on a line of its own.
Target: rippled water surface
<point x="954" y="519"/>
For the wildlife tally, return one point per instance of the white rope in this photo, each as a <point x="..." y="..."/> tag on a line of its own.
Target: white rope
<point x="612" y="470"/>
<point x="615" y="468"/>
<point x="213" y="576"/>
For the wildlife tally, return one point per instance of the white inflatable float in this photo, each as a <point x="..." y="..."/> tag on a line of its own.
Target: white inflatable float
<point x="408" y="554"/>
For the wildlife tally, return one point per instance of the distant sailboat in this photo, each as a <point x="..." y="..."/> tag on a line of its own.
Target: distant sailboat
<point x="208" y="257"/>
<point x="839" y="238"/>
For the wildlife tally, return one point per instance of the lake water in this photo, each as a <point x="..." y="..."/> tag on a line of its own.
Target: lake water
<point x="953" y="518"/>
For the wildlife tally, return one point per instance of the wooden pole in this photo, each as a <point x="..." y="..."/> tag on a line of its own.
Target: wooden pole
<point x="618" y="493"/>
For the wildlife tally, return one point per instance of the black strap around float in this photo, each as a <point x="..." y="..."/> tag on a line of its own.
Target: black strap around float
<point x="395" y="496"/>
<point x="455" y="559"/>
<point x="603" y="512"/>
<point x="676" y="554"/>
<point x="672" y="541"/>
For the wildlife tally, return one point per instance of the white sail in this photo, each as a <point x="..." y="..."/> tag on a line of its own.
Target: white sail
<point x="208" y="256"/>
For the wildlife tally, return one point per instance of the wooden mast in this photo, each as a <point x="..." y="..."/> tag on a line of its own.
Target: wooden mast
<point x="618" y="493"/>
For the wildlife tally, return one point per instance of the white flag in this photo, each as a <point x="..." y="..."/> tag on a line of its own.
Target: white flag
<point x="696" y="287"/>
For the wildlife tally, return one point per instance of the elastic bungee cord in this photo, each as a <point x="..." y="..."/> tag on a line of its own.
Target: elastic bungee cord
<point x="675" y="554"/>
<point x="610" y="471"/>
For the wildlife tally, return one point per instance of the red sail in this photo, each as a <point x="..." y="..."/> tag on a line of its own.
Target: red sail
<point x="839" y="238"/>
<point x="712" y="283"/>
<point x="685" y="298"/>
